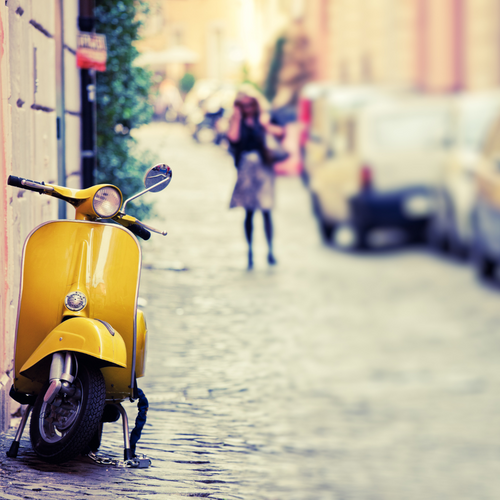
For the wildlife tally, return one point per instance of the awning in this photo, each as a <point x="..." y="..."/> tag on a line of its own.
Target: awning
<point x="178" y="54"/>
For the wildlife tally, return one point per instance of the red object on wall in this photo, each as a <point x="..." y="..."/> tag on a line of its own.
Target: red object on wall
<point x="91" y="52"/>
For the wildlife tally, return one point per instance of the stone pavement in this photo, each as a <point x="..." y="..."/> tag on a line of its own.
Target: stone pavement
<point x="329" y="376"/>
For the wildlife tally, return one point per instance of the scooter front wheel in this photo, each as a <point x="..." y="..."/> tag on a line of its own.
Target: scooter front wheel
<point x="61" y="430"/>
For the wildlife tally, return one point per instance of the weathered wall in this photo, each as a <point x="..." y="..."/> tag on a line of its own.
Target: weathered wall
<point x="72" y="101"/>
<point x="5" y="152"/>
<point x="481" y="37"/>
<point x="433" y="46"/>
<point x="28" y="138"/>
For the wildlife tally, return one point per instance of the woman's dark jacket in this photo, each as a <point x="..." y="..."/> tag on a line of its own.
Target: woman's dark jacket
<point x="252" y="138"/>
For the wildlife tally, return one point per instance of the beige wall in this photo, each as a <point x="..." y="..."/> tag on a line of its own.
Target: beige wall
<point x="370" y="41"/>
<point x="432" y="45"/>
<point x="29" y="146"/>
<point x="72" y="99"/>
<point x="439" y="46"/>
<point x="219" y="31"/>
<point x="5" y="154"/>
<point x="482" y="44"/>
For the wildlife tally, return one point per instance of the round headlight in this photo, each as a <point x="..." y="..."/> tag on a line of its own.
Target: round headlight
<point x="75" y="301"/>
<point x="107" y="201"/>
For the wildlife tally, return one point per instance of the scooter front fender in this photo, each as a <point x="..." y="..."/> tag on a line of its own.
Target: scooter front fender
<point x="92" y="337"/>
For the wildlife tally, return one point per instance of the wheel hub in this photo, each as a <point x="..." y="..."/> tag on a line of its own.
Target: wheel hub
<point x="56" y="418"/>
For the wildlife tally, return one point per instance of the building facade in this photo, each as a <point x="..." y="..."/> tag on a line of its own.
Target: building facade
<point x="431" y="46"/>
<point x="228" y="37"/>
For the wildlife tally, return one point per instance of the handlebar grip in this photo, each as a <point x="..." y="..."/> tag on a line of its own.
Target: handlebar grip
<point x="140" y="231"/>
<point x="17" y="182"/>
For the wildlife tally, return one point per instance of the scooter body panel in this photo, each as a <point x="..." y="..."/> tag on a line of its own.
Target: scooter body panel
<point x="140" y="358"/>
<point x="82" y="335"/>
<point x="98" y="259"/>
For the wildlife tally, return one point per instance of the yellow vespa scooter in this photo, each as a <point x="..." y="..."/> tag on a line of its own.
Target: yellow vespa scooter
<point x="80" y="340"/>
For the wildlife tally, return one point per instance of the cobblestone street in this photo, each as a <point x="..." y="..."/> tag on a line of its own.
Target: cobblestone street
<point x="328" y="376"/>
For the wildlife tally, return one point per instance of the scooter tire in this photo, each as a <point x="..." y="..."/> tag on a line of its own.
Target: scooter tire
<point x="49" y="443"/>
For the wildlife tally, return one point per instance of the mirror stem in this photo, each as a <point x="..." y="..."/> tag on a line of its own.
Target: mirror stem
<point x="143" y="192"/>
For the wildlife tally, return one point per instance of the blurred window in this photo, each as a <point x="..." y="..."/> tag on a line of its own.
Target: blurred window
<point x="411" y="131"/>
<point x="351" y="136"/>
<point x="177" y="32"/>
<point x="153" y="22"/>
<point x="475" y="126"/>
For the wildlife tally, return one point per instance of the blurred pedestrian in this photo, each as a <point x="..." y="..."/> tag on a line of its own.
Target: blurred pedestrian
<point x="254" y="188"/>
<point x="169" y="101"/>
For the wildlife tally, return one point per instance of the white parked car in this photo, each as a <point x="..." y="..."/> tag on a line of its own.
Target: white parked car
<point x="452" y="227"/>
<point x="384" y="167"/>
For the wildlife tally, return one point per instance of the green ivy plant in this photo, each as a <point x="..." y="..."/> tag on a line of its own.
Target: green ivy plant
<point x="186" y="83"/>
<point x="122" y="101"/>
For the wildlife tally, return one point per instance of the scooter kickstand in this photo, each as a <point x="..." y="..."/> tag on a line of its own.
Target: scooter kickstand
<point x="14" y="447"/>
<point x="127" y="453"/>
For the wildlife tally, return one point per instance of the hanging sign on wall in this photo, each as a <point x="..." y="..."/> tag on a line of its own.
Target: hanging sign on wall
<point x="91" y="52"/>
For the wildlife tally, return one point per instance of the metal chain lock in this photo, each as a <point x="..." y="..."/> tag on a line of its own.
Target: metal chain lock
<point x="139" y="462"/>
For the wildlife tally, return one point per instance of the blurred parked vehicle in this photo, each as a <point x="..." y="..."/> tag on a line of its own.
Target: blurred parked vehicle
<point x="385" y="163"/>
<point x="168" y="102"/>
<point x="486" y="212"/>
<point x="311" y="117"/>
<point x="206" y="109"/>
<point x="451" y="227"/>
<point x="286" y="117"/>
<point x="322" y="107"/>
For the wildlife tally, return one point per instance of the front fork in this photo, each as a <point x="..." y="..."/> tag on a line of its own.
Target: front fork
<point x="63" y="370"/>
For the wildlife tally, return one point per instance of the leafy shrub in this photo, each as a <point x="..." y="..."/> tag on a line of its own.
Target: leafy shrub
<point x="186" y="83"/>
<point x="122" y="101"/>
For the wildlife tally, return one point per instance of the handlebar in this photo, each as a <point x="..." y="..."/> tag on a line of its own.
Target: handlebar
<point x="140" y="231"/>
<point x="22" y="183"/>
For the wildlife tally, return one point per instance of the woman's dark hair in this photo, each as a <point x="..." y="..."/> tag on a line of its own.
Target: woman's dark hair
<point x="251" y="102"/>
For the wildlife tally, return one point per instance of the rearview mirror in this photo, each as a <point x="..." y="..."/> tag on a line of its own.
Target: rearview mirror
<point x="158" y="176"/>
<point x="156" y="179"/>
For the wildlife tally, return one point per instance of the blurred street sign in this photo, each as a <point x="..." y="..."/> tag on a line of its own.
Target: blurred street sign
<point x="91" y="52"/>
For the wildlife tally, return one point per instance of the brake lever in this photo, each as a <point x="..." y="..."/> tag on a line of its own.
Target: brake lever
<point x="152" y="229"/>
<point x="127" y="220"/>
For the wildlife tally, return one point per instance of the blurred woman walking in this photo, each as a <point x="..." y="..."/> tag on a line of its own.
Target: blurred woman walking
<point x="254" y="188"/>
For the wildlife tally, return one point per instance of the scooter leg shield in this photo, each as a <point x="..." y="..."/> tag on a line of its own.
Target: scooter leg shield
<point x="87" y="336"/>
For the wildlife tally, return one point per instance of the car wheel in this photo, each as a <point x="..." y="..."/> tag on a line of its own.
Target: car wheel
<point x="206" y="135"/>
<point x="315" y="205"/>
<point x="327" y="228"/>
<point x="437" y="240"/>
<point x="485" y="265"/>
<point x="419" y="233"/>
<point x="223" y="142"/>
<point x="361" y="240"/>
<point x="455" y="244"/>
<point x="459" y="249"/>
<point x="327" y="231"/>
